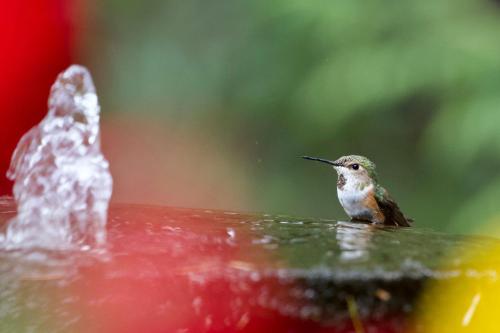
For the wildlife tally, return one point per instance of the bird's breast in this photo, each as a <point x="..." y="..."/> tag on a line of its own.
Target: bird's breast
<point x="354" y="201"/>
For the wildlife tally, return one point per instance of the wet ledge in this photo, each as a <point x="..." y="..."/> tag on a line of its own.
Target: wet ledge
<point x="235" y="269"/>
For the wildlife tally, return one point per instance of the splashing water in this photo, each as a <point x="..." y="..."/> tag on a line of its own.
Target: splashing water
<point x="62" y="180"/>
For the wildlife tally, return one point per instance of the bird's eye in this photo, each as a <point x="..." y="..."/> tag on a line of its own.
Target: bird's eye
<point x="355" y="166"/>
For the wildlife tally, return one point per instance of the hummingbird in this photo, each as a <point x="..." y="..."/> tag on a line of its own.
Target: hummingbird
<point x="360" y="193"/>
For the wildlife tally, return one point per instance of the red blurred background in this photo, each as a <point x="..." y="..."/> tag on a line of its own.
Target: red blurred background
<point x="36" y="44"/>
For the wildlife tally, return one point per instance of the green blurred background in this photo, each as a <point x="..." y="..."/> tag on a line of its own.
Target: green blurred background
<point x="209" y="103"/>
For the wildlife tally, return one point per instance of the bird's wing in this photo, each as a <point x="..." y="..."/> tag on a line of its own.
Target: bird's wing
<point x="390" y="209"/>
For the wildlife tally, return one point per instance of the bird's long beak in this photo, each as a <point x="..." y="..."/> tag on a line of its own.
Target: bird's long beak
<point x="321" y="160"/>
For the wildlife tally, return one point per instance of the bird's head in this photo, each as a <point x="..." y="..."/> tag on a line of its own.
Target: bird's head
<point x="351" y="167"/>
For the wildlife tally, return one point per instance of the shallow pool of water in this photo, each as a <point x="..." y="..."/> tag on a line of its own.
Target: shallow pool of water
<point x="184" y="270"/>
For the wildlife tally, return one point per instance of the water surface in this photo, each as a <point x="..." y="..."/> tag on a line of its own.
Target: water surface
<point x="183" y="270"/>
